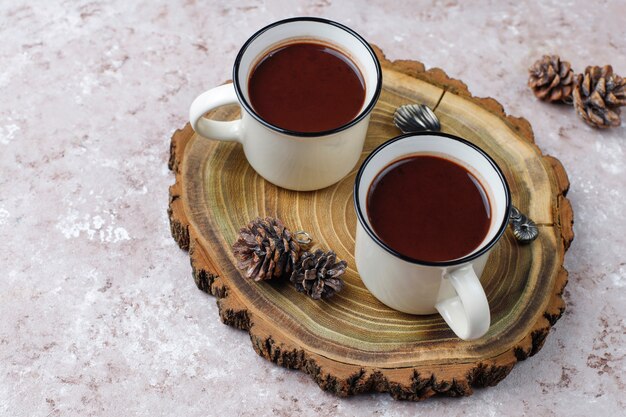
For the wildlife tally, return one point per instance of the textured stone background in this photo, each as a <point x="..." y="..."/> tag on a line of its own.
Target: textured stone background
<point x="99" y="314"/>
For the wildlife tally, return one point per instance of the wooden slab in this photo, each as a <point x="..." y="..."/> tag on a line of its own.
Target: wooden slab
<point x="352" y="343"/>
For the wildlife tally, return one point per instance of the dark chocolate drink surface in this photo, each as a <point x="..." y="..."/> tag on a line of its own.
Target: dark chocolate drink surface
<point x="306" y="87"/>
<point x="429" y="208"/>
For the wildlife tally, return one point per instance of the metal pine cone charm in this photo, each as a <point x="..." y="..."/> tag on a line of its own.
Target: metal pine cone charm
<point x="524" y="229"/>
<point x="265" y="249"/>
<point x="415" y="118"/>
<point x="551" y="79"/>
<point x="318" y="274"/>
<point x="598" y="95"/>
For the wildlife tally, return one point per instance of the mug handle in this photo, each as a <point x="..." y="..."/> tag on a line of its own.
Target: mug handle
<point x="464" y="306"/>
<point x="209" y="100"/>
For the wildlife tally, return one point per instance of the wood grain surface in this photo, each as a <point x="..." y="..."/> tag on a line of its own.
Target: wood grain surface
<point x="352" y="343"/>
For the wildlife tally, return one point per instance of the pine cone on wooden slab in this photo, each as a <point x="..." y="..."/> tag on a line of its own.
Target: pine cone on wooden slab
<point x="551" y="79"/>
<point x="598" y="95"/>
<point x="318" y="274"/>
<point x="266" y="249"/>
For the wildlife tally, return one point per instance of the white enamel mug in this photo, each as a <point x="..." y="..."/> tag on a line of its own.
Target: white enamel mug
<point x="294" y="160"/>
<point x="451" y="288"/>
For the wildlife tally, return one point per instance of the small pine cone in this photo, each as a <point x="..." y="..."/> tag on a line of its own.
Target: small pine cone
<point x="552" y="79"/>
<point x="598" y="95"/>
<point x="318" y="274"/>
<point x="265" y="249"/>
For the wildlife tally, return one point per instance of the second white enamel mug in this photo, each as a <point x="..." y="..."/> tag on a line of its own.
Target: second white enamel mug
<point x="451" y="288"/>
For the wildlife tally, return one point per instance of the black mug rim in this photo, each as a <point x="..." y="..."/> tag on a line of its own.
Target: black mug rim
<point x="485" y="248"/>
<point x="248" y="107"/>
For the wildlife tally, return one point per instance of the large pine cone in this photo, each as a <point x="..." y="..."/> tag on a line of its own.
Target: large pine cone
<point x="318" y="274"/>
<point x="551" y="79"/>
<point x="265" y="249"/>
<point x="598" y="95"/>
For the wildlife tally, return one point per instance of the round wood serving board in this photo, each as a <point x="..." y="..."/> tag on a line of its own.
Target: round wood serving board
<point x="352" y="343"/>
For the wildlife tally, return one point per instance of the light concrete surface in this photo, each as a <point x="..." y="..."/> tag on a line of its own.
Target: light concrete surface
<point x="98" y="312"/>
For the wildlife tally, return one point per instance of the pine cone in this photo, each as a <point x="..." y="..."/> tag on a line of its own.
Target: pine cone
<point x="598" y="95"/>
<point x="265" y="249"/>
<point x="551" y="79"/>
<point x="318" y="274"/>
